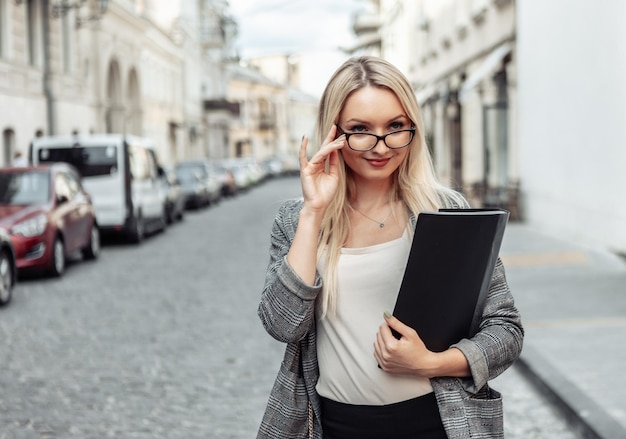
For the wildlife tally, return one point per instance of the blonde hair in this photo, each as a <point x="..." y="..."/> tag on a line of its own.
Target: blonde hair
<point x="414" y="183"/>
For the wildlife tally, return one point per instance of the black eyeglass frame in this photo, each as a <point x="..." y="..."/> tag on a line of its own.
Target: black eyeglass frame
<point x="378" y="138"/>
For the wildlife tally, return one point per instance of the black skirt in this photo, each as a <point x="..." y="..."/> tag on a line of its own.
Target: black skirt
<point x="416" y="418"/>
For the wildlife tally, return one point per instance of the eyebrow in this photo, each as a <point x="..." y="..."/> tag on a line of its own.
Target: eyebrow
<point x="393" y="119"/>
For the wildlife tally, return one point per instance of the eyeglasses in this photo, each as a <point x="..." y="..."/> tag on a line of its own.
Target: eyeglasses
<point x="366" y="141"/>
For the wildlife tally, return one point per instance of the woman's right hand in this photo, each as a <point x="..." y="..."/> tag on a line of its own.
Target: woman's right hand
<point x="318" y="186"/>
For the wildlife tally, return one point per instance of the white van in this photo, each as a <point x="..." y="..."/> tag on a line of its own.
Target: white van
<point x="120" y="173"/>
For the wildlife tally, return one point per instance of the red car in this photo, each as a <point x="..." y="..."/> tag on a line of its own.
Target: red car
<point x="48" y="215"/>
<point x="8" y="272"/>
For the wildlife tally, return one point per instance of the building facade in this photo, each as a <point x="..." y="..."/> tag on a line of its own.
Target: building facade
<point x="464" y="75"/>
<point x="572" y="118"/>
<point x="140" y="67"/>
<point x="301" y="107"/>
<point x="521" y="111"/>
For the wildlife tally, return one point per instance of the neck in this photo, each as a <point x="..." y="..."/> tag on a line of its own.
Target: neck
<point x="372" y="195"/>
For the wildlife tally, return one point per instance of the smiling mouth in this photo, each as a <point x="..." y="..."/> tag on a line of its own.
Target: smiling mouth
<point x="379" y="161"/>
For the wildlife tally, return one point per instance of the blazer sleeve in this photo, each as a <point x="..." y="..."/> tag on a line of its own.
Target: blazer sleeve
<point x="499" y="340"/>
<point x="287" y="307"/>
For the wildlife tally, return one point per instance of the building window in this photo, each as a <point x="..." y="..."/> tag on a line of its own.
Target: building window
<point x="2" y="27"/>
<point x="8" y="140"/>
<point x="66" y="43"/>
<point x="31" y="31"/>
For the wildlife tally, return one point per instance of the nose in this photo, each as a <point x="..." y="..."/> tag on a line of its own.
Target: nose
<point x="380" y="141"/>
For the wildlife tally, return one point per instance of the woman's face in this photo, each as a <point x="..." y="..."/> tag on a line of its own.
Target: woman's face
<point x="373" y="110"/>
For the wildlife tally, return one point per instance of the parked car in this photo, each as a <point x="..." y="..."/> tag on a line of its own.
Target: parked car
<point x="174" y="197"/>
<point x="240" y="173"/>
<point x="8" y="268"/>
<point x="273" y="166"/>
<point x="121" y="174"/>
<point x="48" y="215"/>
<point x="226" y="178"/>
<point x="200" y="185"/>
<point x="246" y="172"/>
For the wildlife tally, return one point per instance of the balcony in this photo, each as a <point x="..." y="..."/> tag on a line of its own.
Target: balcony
<point x="214" y="105"/>
<point x="366" y="23"/>
<point x="267" y="122"/>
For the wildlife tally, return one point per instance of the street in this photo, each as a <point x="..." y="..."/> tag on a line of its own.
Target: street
<point x="162" y="340"/>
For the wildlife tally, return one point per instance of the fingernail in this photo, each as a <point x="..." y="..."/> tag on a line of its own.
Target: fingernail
<point x="387" y="315"/>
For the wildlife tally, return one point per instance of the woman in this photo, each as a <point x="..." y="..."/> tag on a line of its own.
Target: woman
<point x="337" y="258"/>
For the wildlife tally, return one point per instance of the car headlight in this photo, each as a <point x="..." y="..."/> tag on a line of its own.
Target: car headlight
<point x="31" y="227"/>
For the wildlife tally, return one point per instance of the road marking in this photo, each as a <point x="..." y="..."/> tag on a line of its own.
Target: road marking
<point x="570" y="323"/>
<point x="571" y="257"/>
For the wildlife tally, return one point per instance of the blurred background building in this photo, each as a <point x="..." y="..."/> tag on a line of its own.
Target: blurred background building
<point x="165" y="70"/>
<point x="524" y="103"/>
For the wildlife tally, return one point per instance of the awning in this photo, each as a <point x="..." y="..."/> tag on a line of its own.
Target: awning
<point x="489" y="66"/>
<point x="426" y="92"/>
<point x="364" y="41"/>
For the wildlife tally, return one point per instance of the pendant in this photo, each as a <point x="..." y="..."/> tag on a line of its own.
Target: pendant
<point x="382" y="225"/>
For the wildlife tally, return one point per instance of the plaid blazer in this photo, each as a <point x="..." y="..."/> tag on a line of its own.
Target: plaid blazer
<point x="469" y="408"/>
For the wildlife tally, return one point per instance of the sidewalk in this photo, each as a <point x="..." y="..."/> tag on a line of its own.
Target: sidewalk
<point x="573" y="305"/>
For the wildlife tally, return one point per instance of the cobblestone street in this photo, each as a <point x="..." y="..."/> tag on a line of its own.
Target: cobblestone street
<point x="162" y="340"/>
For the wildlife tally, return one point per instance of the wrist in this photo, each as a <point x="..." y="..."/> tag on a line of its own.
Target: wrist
<point x="432" y="365"/>
<point x="313" y="214"/>
<point x="450" y="362"/>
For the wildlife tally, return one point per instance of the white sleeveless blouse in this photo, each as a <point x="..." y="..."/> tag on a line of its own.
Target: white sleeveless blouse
<point x="368" y="282"/>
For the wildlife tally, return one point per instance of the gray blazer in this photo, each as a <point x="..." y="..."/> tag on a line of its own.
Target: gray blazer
<point x="468" y="407"/>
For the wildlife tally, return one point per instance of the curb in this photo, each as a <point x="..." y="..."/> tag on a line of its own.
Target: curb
<point x="585" y="415"/>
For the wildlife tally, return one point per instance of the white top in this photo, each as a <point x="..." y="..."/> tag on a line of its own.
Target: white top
<point x="369" y="279"/>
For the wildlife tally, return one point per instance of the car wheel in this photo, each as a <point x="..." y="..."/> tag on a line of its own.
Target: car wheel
<point x="92" y="250"/>
<point x="6" y="278"/>
<point x="58" y="258"/>
<point x="137" y="232"/>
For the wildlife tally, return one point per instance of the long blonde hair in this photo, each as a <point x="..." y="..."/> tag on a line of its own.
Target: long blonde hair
<point x="414" y="183"/>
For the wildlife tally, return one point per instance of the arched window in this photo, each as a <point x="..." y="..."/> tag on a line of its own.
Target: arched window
<point x="3" y="27"/>
<point x="114" y="116"/>
<point x="8" y="146"/>
<point x="32" y="32"/>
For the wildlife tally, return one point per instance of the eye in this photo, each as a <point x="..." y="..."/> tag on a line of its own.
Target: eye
<point x="357" y="128"/>
<point x="397" y="125"/>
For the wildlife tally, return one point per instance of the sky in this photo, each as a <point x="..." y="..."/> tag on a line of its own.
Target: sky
<point x="312" y="29"/>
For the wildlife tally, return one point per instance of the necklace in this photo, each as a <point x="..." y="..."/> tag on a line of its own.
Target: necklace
<point x="381" y="224"/>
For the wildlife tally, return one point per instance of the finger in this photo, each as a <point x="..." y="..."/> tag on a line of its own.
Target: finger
<point x="380" y="349"/>
<point x="397" y="325"/>
<point x="333" y="162"/>
<point x="331" y="135"/>
<point x="328" y="150"/>
<point x="303" y="146"/>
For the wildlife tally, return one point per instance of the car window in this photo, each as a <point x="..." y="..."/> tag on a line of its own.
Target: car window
<point x="89" y="161"/>
<point x="141" y="163"/>
<point x="23" y="188"/>
<point x="189" y="172"/>
<point x="72" y="183"/>
<point x="61" y="187"/>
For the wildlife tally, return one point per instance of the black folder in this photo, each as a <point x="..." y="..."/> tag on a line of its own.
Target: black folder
<point x="448" y="273"/>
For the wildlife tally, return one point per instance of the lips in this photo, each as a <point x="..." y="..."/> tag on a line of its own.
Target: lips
<point x="378" y="163"/>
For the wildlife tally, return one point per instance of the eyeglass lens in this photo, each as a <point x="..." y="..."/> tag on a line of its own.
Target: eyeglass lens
<point x="365" y="141"/>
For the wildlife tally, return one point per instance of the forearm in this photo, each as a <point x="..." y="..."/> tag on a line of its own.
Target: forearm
<point x="302" y="256"/>
<point x="449" y="363"/>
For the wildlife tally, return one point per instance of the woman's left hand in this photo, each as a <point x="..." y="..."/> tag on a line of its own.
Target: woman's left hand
<point x="407" y="355"/>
